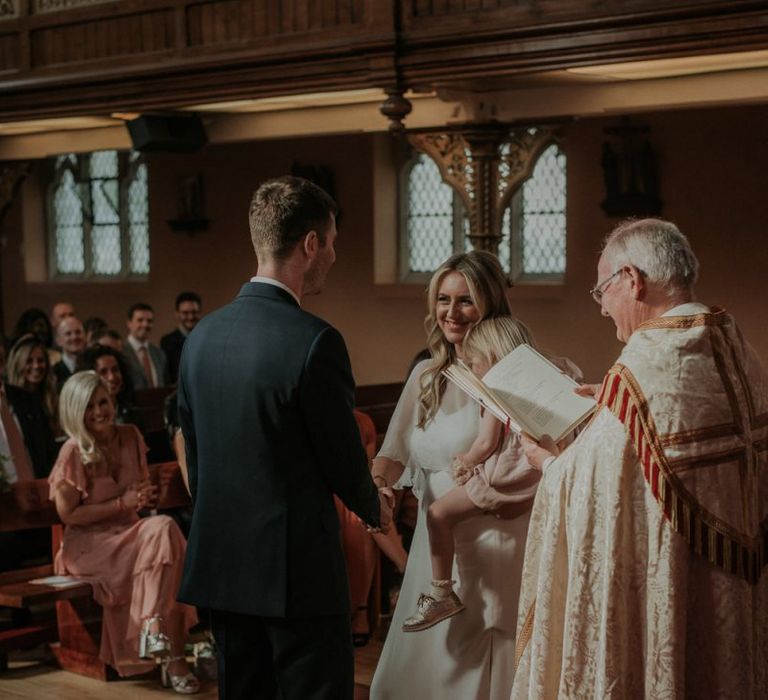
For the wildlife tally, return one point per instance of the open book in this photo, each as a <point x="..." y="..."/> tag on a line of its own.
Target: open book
<point x="57" y="581"/>
<point x="527" y="392"/>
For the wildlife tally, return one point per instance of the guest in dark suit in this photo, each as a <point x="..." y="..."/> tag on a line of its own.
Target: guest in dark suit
<point x="265" y="402"/>
<point x="70" y="337"/>
<point x="188" y="306"/>
<point x="147" y="363"/>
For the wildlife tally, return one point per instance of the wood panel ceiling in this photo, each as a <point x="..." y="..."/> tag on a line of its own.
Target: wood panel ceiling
<point x="151" y="55"/>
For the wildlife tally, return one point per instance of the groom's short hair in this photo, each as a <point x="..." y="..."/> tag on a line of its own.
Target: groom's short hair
<point x="283" y="211"/>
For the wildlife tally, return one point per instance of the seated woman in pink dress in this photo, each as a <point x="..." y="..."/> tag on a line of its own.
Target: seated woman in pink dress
<point x="133" y="564"/>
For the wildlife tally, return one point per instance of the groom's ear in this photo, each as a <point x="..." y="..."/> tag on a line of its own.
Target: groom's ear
<point x="310" y="244"/>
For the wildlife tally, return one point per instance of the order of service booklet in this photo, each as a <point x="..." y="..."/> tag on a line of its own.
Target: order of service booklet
<point x="527" y="392"/>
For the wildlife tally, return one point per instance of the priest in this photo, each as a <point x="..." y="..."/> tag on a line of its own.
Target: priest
<point x="645" y="564"/>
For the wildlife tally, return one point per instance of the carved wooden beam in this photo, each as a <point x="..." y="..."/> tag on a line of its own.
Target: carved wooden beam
<point x="485" y="165"/>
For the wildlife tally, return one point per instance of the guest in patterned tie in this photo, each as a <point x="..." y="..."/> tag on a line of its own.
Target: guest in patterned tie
<point x="148" y="364"/>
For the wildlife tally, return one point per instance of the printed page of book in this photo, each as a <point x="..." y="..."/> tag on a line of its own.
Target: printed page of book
<point x="537" y="394"/>
<point x="470" y="384"/>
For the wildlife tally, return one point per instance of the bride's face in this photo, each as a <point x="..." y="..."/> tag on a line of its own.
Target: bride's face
<point x="456" y="312"/>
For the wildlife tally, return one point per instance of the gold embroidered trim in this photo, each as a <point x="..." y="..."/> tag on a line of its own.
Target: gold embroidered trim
<point x="715" y="317"/>
<point x="711" y="460"/>
<point x="707" y="535"/>
<point x="725" y="379"/>
<point x="699" y="434"/>
<point x="525" y="635"/>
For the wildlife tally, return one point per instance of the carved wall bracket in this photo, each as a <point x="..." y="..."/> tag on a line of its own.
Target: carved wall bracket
<point x="630" y="172"/>
<point x="12" y="174"/>
<point x="485" y="164"/>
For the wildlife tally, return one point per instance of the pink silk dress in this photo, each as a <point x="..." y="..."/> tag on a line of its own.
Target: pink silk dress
<point x="133" y="564"/>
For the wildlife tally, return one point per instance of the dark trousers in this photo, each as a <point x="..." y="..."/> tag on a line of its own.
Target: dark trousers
<point x="266" y="658"/>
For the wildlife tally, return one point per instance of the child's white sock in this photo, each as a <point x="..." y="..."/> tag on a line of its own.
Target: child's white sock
<point x="441" y="588"/>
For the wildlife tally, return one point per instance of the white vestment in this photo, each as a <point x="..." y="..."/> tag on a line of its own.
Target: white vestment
<point x="469" y="656"/>
<point x="644" y="567"/>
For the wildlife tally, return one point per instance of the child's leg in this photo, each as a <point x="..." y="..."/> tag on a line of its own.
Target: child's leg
<point x="443" y="515"/>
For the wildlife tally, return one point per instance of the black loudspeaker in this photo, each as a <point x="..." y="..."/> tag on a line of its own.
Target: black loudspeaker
<point x="177" y="134"/>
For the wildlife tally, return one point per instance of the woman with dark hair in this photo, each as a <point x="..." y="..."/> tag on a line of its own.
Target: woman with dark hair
<point x="113" y="371"/>
<point x="34" y="322"/>
<point x="93" y="326"/>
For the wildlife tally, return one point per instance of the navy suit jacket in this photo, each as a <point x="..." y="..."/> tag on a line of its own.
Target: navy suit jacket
<point x="265" y="404"/>
<point x="172" y="344"/>
<point x="138" y="378"/>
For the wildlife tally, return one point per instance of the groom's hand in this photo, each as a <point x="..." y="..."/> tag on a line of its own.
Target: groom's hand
<point x="386" y="505"/>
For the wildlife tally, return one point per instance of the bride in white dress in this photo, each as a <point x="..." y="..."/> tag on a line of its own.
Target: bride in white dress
<point x="471" y="655"/>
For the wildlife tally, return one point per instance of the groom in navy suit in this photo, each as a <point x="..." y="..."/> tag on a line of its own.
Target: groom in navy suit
<point x="265" y="401"/>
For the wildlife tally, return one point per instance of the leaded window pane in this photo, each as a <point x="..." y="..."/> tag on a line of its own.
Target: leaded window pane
<point x="68" y="214"/>
<point x="105" y="249"/>
<point x="102" y="215"/>
<point x="543" y="215"/>
<point x="103" y="165"/>
<point x="138" y="221"/>
<point x="430" y="216"/>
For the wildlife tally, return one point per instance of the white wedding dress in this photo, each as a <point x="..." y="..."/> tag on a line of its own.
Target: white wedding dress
<point x="469" y="656"/>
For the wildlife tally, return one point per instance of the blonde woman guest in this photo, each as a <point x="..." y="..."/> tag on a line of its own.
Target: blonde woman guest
<point x="134" y="565"/>
<point x="29" y="368"/>
<point x="471" y="655"/>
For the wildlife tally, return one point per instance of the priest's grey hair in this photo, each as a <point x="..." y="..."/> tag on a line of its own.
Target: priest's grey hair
<point x="655" y="247"/>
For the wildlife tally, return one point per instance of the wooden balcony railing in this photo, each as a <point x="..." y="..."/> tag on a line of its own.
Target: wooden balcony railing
<point x="67" y="57"/>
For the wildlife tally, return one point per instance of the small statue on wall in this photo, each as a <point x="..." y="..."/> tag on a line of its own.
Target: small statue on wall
<point x="630" y="172"/>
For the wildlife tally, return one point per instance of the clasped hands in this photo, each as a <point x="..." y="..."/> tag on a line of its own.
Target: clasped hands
<point x="386" y="507"/>
<point x="140" y="495"/>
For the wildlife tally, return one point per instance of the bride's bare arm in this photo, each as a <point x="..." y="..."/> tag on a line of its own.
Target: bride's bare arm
<point x="386" y="472"/>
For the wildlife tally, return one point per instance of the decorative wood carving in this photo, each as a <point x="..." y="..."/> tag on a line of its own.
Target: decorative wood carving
<point x="42" y="6"/>
<point x="8" y="8"/>
<point x="485" y="164"/>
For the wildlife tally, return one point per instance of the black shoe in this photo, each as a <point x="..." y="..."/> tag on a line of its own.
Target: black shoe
<point x="360" y="639"/>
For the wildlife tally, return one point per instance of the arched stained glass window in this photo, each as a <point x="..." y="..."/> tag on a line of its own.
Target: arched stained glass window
<point x="98" y="215"/>
<point x="533" y="243"/>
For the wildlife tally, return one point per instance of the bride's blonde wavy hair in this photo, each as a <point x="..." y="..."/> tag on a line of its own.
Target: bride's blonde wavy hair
<point x="488" y="286"/>
<point x="75" y="395"/>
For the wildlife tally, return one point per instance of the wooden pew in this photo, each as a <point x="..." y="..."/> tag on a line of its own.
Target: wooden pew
<point x="378" y="401"/>
<point x="78" y="616"/>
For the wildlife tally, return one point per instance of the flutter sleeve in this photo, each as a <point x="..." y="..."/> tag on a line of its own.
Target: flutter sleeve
<point x="397" y="442"/>
<point x="68" y="467"/>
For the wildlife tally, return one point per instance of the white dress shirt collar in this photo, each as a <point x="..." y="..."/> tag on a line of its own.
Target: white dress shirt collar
<point x="276" y="283"/>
